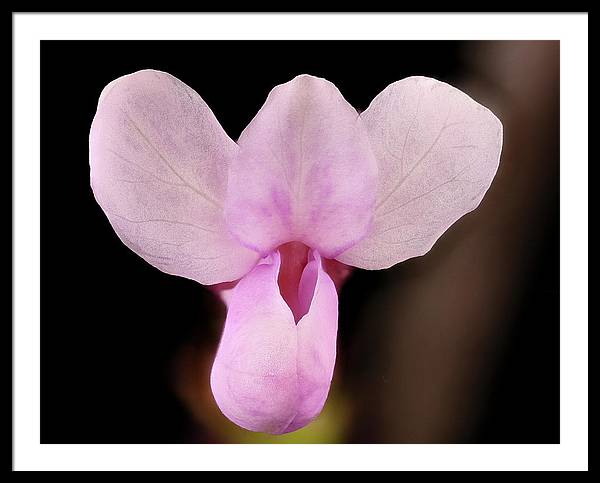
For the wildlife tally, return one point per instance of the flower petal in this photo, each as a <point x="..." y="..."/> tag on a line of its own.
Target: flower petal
<point x="438" y="151"/>
<point x="271" y="375"/>
<point x="317" y="334"/>
<point x="159" y="162"/>
<point x="305" y="172"/>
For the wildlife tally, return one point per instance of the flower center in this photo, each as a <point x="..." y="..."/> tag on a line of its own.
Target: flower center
<point x="294" y="257"/>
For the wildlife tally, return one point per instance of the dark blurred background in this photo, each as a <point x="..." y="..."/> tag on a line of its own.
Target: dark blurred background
<point x="458" y="346"/>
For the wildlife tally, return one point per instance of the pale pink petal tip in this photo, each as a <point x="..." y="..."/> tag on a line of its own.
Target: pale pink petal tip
<point x="437" y="152"/>
<point x="271" y="374"/>
<point x="158" y="168"/>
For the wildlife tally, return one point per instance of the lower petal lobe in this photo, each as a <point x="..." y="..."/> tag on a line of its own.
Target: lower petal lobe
<point x="271" y="374"/>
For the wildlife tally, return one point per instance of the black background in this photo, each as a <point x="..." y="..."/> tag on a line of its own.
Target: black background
<point x="110" y="323"/>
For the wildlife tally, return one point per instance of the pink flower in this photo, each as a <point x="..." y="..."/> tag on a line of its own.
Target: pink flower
<point x="309" y="188"/>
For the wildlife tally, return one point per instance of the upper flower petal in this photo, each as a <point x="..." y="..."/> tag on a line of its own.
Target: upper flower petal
<point x="159" y="162"/>
<point x="271" y="375"/>
<point x="438" y="151"/>
<point x="305" y="172"/>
